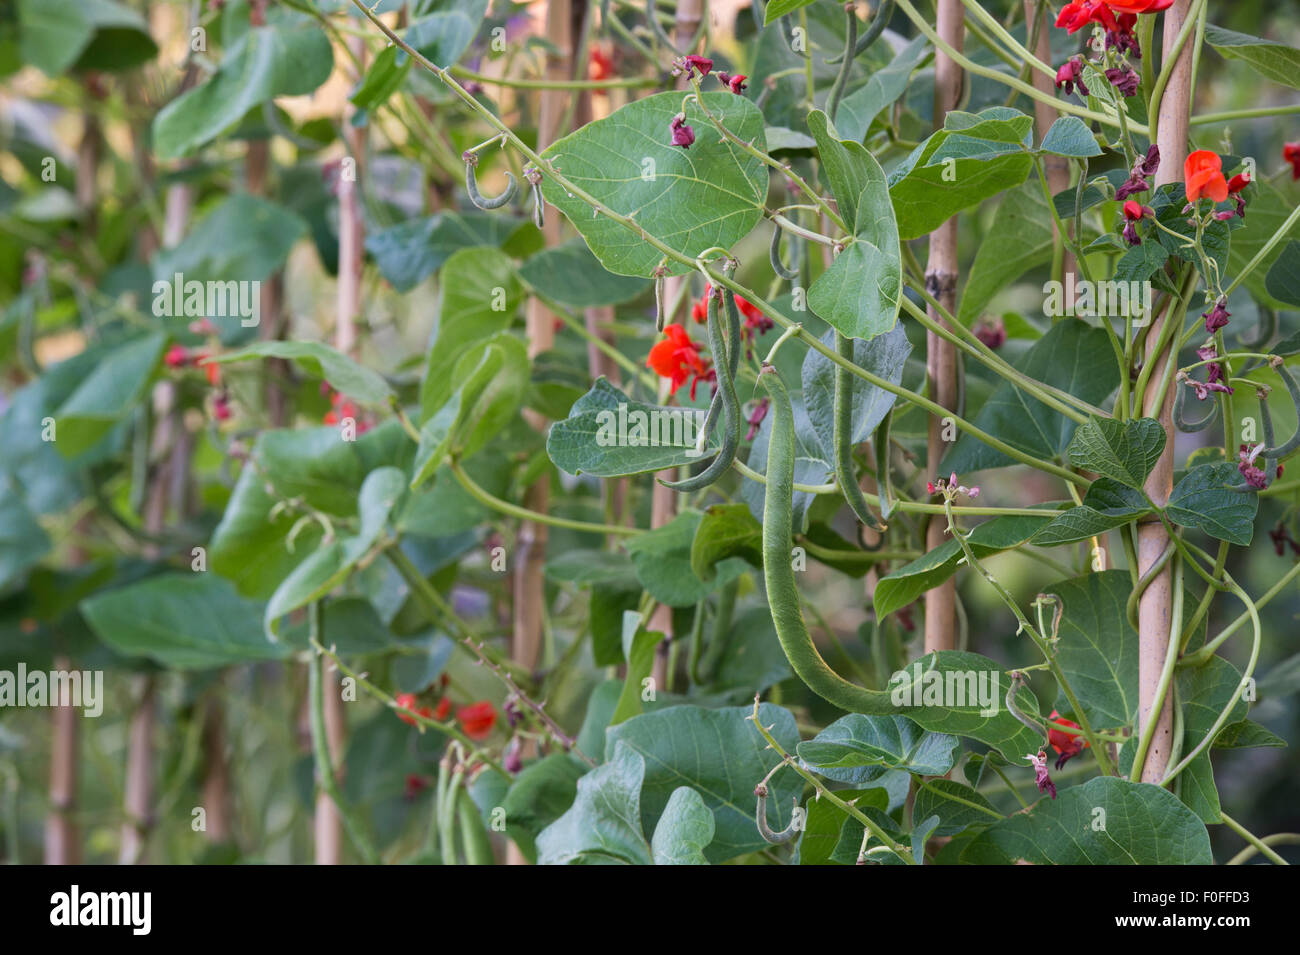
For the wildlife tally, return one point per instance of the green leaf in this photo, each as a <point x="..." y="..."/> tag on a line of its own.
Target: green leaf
<point x="489" y="382"/>
<point x="952" y="171"/>
<point x="23" y="542"/>
<point x="290" y="56"/>
<point x="93" y="34"/>
<point x="1205" y="691"/>
<point x="1269" y="210"/>
<point x="1140" y="262"/>
<point x="1245" y="734"/>
<point x="1108" y="504"/>
<point x="720" y="754"/>
<point x="1096" y="648"/>
<point x="184" y="621"/>
<point x="609" y="435"/>
<point x="662" y="558"/>
<point x="343" y="374"/>
<point x="1023" y="226"/>
<point x="1074" y="357"/>
<point x="859" y="293"/>
<point x="958" y="806"/>
<point x="542" y="793"/>
<point x="444" y="35"/>
<point x="1070" y="136"/>
<point x="902" y="586"/>
<point x="382" y="79"/>
<point x="685" y="830"/>
<point x="331" y="564"/>
<point x="1278" y="62"/>
<point x="1143" y="825"/>
<point x="692" y="199"/>
<point x="639" y="646"/>
<point x="603" y="826"/>
<point x="1203" y="499"/>
<point x="725" y="530"/>
<point x="480" y="295"/>
<point x="962" y="693"/>
<point x="779" y="8"/>
<point x="117" y="383"/>
<point x="825" y="822"/>
<point x="571" y="275"/>
<point x="244" y="239"/>
<point x="408" y="253"/>
<point x="1123" y="450"/>
<point x="883" y="87"/>
<point x="893" y="741"/>
<point x="1283" y="279"/>
<point x="884" y="356"/>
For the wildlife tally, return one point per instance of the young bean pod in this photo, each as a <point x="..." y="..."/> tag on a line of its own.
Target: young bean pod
<point x="488" y="203"/>
<point x="778" y="568"/>
<point x="726" y="394"/>
<point x="843" y="434"/>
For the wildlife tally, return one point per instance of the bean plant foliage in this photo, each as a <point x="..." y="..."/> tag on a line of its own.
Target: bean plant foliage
<point x="556" y="433"/>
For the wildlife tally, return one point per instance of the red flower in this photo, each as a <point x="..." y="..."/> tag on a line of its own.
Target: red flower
<point x="1291" y="153"/>
<point x="600" y="65"/>
<point x="1239" y="182"/>
<point x="477" y="719"/>
<point x="221" y="408"/>
<point x="1065" y="744"/>
<point x="1139" y="6"/>
<point x="1203" y="175"/>
<point x="178" y="356"/>
<point x="1255" y="476"/>
<point x="407" y="702"/>
<point x="1041" y="779"/>
<point x="1077" y="15"/>
<point x="443" y="711"/>
<point x="755" y="320"/>
<point x="676" y="357"/>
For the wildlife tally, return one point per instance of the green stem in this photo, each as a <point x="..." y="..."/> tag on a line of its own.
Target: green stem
<point x="523" y="513"/>
<point x="320" y="746"/>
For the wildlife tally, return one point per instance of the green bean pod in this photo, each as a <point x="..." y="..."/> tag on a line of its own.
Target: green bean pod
<point x="473" y="834"/>
<point x="726" y="394"/>
<point x="778" y="569"/>
<point x="843" y="433"/>
<point x="488" y="203"/>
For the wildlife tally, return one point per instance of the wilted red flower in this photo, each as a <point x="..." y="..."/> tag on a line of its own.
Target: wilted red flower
<point x="1041" y="779"/>
<point x="683" y="135"/>
<point x="676" y="357"/>
<point x="756" y="417"/>
<point x="221" y="408"/>
<point x="477" y="719"/>
<point x="735" y="83"/>
<point x="1217" y="317"/>
<point x="1124" y="79"/>
<point x="700" y="64"/>
<point x="177" y="356"/>
<point x="1067" y="745"/>
<point x="1255" y="477"/>
<point x="1070" y="75"/>
<point x="407" y="702"/>
<point x="1203" y="176"/>
<point x="992" y="334"/>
